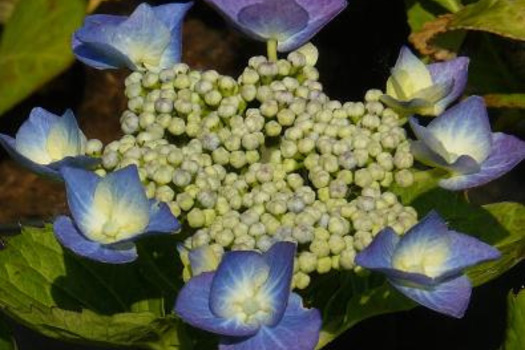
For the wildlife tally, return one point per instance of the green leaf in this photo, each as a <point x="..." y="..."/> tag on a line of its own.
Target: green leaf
<point x="36" y="46"/>
<point x="7" y="341"/>
<point x="347" y="299"/>
<point x="515" y="334"/>
<point x="505" y="100"/>
<point x="66" y="297"/>
<point x="501" y="17"/>
<point x="420" y="12"/>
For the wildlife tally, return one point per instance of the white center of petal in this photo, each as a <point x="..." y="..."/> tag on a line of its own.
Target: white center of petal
<point x="60" y="144"/>
<point x="404" y="84"/>
<point x="249" y="303"/>
<point x="428" y="261"/>
<point x="112" y="219"/>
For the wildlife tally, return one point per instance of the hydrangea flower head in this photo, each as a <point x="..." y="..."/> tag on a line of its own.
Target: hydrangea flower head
<point x="427" y="263"/>
<point x="248" y="301"/>
<point x="46" y="142"/>
<point x="109" y="213"/>
<point x="291" y="23"/>
<point x="461" y="141"/>
<point x="414" y="87"/>
<point x="149" y="38"/>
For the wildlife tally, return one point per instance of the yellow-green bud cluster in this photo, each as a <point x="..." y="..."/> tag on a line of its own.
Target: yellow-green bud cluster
<point x="266" y="157"/>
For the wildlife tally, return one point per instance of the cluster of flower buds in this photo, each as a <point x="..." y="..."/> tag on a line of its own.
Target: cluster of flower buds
<point x="267" y="157"/>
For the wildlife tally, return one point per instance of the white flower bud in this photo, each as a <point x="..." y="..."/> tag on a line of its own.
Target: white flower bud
<point x="307" y="262"/>
<point x="404" y="178"/>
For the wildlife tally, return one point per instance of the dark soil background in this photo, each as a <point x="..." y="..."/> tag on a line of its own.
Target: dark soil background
<point x="357" y="50"/>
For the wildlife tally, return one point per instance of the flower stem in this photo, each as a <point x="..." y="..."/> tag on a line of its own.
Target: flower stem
<point x="271" y="46"/>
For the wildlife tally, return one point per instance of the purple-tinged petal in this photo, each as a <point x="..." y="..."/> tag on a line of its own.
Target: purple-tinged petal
<point x="425" y="155"/>
<point x="70" y="237"/>
<point x="80" y="191"/>
<point x="466" y="251"/>
<point x="298" y="330"/>
<point x="273" y="19"/>
<point x="464" y="130"/>
<point x="240" y="273"/>
<point x="450" y="297"/>
<point x="456" y="70"/>
<point x="193" y="306"/>
<point x="378" y="255"/>
<point x="428" y="138"/>
<point x="161" y="219"/>
<point x="424" y="249"/>
<point x="507" y="152"/>
<point x="280" y="259"/>
<point x="291" y="22"/>
<point x="43" y="170"/>
<point x="320" y="13"/>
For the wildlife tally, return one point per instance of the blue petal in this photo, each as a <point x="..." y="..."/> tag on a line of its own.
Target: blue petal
<point x="193" y="306"/>
<point x="161" y="219"/>
<point x="43" y="170"/>
<point x="83" y="162"/>
<point x="320" y="13"/>
<point x="507" y="152"/>
<point x="31" y="138"/>
<point x="93" y="43"/>
<point x="450" y="297"/>
<point x="172" y="16"/>
<point x="280" y="259"/>
<point x="143" y="37"/>
<point x="80" y="190"/>
<point x="70" y="237"/>
<point x="378" y="255"/>
<point x="466" y="251"/>
<point x="456" y="70"/>
<point x="239" y="272"/>
<point x="113" y="42"/>
<point x="298" y="330"/>
<point x="465" y="129"/>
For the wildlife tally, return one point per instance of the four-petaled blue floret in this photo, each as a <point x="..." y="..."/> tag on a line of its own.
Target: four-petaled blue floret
<point x="149" y="38"/>
<point x="109" y="213"/>
<point x="427" y="263"/>
<point x="46" y="142"/>
<point x="461" y="142"/>
<point x="289" y="22"/>
<point x="416" y="88"/>
<point x="248" y="302"/>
